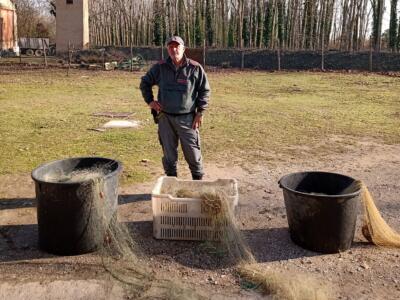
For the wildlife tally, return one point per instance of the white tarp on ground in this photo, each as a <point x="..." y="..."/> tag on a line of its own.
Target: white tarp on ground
<point x="121" y="124"/>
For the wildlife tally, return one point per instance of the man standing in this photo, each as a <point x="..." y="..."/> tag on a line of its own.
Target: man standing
<point x="183" y="96"/>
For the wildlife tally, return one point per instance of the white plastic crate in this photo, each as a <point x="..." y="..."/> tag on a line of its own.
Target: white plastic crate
<point x="183" y="218"/>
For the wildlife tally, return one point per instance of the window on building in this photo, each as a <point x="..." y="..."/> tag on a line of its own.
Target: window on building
<point x="70" y="1"/>
<point x="1" y="31"/>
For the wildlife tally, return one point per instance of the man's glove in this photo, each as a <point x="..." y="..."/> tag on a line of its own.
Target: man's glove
<point x="155" y="115"/>
<point x="155" y="110"/>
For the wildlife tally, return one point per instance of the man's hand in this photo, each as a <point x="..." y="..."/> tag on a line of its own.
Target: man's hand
<point x="198" y="119"/>
<point x="155" y="105"/>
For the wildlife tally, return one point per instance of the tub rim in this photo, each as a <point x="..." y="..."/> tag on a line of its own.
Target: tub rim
<point x="36" y="178"/>
<point x="349" y="195"/>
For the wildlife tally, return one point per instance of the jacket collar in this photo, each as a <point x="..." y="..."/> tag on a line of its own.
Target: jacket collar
<point x="185" y="61"/>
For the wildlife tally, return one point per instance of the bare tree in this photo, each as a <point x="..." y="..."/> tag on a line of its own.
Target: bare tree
<point x="291" y="24"/>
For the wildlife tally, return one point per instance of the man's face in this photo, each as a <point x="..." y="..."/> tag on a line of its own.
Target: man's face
<point x="175" y="51"/>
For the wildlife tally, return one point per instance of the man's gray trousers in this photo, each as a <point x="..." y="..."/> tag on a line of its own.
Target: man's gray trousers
<point x="173" y="129"/>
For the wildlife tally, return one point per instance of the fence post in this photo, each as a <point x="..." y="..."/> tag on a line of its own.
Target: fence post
<point x="204" y="53"/>
<point x="279" y="58"/>
<point x="162" y="47"/>
<point x="322" y="55"/>
<point x="242" y="61"/>
<point x="131" y="57"/>
<point x="44" y="53"/>
<point x="370" y="54"/>
<point x="69" y="57"/>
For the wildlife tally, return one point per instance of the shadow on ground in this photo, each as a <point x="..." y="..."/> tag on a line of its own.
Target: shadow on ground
<point x="131" y="198"/>
<point x="267" y="245"/>
<point x="194" y="254"/>
<point x="274" y="244"/>
<point x="17" y="203"/>
<point x="20" y="242"/>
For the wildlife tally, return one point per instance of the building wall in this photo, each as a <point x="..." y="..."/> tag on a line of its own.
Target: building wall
<point x="7" y="38"/>
<point x="72" y="25"/>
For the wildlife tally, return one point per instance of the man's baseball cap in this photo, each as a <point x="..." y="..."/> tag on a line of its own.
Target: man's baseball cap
<point x="175" y="39"/>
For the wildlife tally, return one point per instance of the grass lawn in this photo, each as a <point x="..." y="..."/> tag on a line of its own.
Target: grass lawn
<point x="253" y="116"/>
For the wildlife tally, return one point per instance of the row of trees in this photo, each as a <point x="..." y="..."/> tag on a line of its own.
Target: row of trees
<point x="287" y="24"/>
<point x="349" y="25"/>
<point x="394" y="27"/>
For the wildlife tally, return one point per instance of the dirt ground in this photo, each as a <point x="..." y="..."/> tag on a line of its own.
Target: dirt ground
<point x="362" y="272"/>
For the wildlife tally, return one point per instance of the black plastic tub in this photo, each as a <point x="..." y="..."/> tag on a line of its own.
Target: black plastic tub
<point x="73" y="213"/>
<point x="321" y="209"/>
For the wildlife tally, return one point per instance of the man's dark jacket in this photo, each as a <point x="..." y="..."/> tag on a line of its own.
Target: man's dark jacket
<point x="182" y="90"/>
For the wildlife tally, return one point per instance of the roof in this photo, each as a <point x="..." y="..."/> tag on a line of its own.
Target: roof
<point x="7" y="4"/>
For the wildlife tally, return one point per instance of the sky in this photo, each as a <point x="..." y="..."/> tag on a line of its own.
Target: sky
<point x="386" y="16"/>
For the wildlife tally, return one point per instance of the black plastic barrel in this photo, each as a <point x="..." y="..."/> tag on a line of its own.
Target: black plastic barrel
<point x="73" y="215"/>
<point x="321" y="209"/>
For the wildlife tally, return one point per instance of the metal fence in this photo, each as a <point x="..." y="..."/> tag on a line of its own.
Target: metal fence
<point x="279" y="60"/>
<point x="243" y="59"/>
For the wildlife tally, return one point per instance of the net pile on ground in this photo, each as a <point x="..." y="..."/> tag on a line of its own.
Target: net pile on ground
<point x="375" y="229"/>
<point x="280" y="285"/>
<point x="118" y="249"/>
<point x="122" y="259"/>
<point x="120" y="254"/>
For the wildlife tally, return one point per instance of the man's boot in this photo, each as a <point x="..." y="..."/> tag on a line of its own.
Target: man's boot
<point x="197" y="177"/>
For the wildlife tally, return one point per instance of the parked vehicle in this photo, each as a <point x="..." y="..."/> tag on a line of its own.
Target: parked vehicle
<point x="35" y="46"/>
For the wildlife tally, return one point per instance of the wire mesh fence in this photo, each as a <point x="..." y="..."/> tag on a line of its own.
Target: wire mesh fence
<point x="137" y="58"/>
